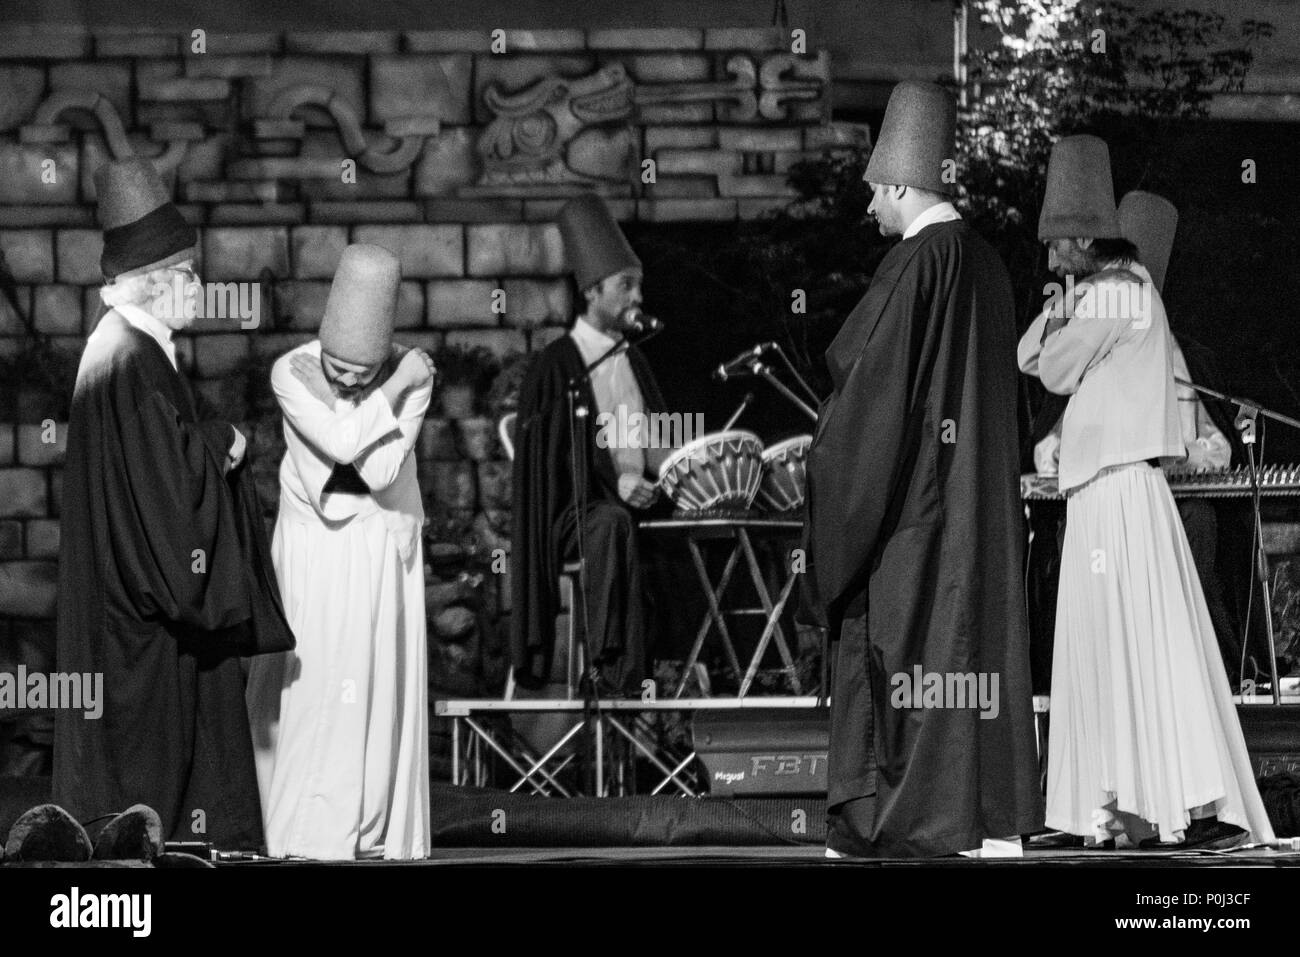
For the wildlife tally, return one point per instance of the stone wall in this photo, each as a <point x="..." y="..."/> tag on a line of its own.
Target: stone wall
<point x="454" y="149"/>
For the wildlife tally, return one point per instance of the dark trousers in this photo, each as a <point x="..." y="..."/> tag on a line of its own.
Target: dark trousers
<point x="615" y="596"/>
<point x="851" y="767"/>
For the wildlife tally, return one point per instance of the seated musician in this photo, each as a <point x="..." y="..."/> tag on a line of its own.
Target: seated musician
<point x="615" y="477"/>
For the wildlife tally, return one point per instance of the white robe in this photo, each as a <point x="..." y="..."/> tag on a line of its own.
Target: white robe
<point x="340" y="724"/>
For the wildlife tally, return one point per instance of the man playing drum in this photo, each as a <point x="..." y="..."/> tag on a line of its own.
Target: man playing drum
<point x="610" y="481"/>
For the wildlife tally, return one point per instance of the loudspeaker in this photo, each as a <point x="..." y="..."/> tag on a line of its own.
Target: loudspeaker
<point x="1272" y="735"/>
<point x="763" y="750"/>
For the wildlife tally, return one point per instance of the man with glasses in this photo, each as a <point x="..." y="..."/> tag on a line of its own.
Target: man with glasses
<point x="158" y="588"/>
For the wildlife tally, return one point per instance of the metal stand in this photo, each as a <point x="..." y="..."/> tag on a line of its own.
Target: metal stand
<point x="1247" y="413"/>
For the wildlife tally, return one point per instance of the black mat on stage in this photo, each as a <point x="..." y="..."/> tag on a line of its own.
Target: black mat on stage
<point x="478" y="817"/>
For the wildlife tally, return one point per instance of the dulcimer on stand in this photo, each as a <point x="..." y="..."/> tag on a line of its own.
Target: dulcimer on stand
<point x="1274" y="481"/>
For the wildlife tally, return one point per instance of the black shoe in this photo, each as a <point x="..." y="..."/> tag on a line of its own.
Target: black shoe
<point x="47" y="833"/>
<point x="1204" y="834"/>
<point x="134" y="835"/>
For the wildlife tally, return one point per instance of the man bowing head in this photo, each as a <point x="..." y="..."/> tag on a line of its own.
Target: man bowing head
<point x="341" y="723"/>
<point x="155" y="589"/>
<point x="914" y="528"/>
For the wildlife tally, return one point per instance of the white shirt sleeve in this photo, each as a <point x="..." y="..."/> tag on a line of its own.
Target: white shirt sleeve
<point x="340" y="432"/>
<point x="381" y="463"/>
<point x="1070" y="351"/>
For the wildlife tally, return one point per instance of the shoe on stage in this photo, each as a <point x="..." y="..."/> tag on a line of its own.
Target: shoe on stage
<point x="1203" y="834"/>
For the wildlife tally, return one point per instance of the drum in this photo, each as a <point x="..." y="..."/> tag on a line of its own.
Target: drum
<point x="784" y="475"/>
<point x="718" y="470"/>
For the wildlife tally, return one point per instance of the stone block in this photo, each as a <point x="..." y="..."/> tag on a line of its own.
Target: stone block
<point x="362" y="211"/>
<point x="256" y="214"/>
<point x="837" y="134"/>
<point x="33" y="449"/>
<point x="272" y="345"/>
<point x="645" y="38"/>
<point x="44" y="41"/>
<point x="340" y="41"/>
<point x="685" y="210"/>
<point x="423" y="85"/>
<point x="29" y="254"/>
<point x="343" y="75"/>
<point x="511" y="74"/>
<point x="503" y="249"/>
<point x="668" y="67"/>
<point x="671" y="162"/>
<point x="11" y="540"/>
<point x="546" y="210"/>
<point x="750" y="139"/>
<point x="302" y="303"/>
<point x="447" y="162"/>
<point x="24" y="88"/>
<point x="42" y="538"/>
<point x="232" y="191"/>
<point x="8" y="444"/>
<point x="500" y="342"/>
<point x="472" y="210"/>
<point x="671" y="113"/>
<point x="77" y="253"/>
<point x="315" y="250"/>
<point x="133" y="43"/>
<point x="239" y="44"/>
<point x="696" y="187"/>
<point x="28" y="589"/>
<point x="757" y="185"/>
<point x="229" y="67"/>
<point x="535" y="302"/>
<point x="447" y="41"/>
<point x="57" y="310"/>
<point x="27" y="179"/>
<point x="112" y="81"/>
<point x="679" y="138"/>
<point x="410" y="306"/>
<point x="425" y="252"/>
<point x="56" y="492"/>
<point x="747" y="38"/>
<point x="92" y="308"/>
<point x="38" y="217"/>
<point x="23" y="493"/>
<point x="461" y="302"/>
<point x="219" y="355"/>
<point x="241" y="253"/>
<point x="181" y="89"/>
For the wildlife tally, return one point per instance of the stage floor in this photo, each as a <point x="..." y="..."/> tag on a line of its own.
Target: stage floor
<point x="802" y="856"/>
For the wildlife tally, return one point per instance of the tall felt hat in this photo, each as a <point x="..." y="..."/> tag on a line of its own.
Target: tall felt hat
<point x="916" y="138"/>
<point x="593" y="244"/>
<point x="142" y="229"/>
<point x="358" y="322"/>
<point x="1149" y="223"/>
<point x="1080" y="198"/>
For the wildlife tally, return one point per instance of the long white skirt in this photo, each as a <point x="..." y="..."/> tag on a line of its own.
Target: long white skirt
<point x="1143" y="728"/>
<point x="340" y="724"/>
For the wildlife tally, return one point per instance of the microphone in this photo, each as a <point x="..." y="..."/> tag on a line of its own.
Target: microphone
<point x="640" y="324"/>
<point x="734" y="366"/>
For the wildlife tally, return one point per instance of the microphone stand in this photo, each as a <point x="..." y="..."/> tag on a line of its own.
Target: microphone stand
<point x="1247" y="413"/>
<point x="578" y="413"/>
<point x="756" y="367"/>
